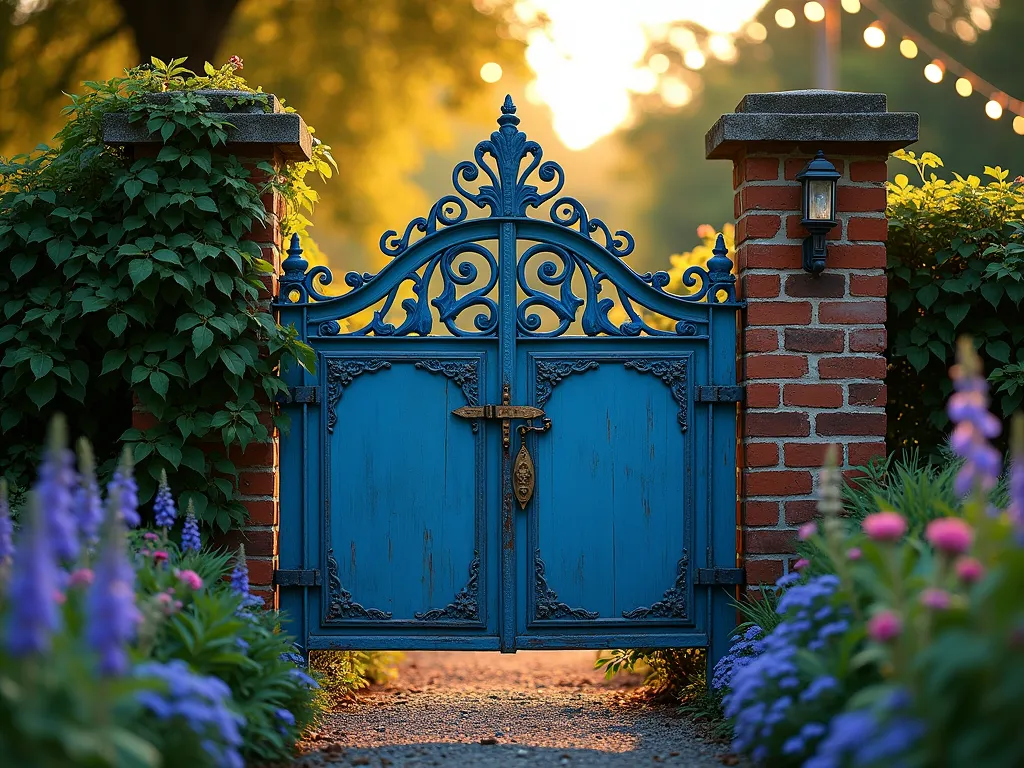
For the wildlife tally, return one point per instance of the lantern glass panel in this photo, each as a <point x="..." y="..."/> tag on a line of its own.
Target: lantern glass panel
<point x="819" y="200"/>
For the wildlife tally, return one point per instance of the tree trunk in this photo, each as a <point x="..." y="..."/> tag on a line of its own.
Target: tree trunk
<point x="174" y="28"/>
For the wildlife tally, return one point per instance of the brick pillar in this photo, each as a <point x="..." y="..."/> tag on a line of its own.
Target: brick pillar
<point x="273" y="137"/>
<point x="811" y="351"/>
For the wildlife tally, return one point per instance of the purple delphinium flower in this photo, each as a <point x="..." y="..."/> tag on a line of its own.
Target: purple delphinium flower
<point x="1016" y="508"/>
<point x="202" y="702"/>
<point x="112" y="614"/>
<point x="6" y="526"/>
<point x="33" y="587"/>
<point x="975" y="426"/>
<point x="190" y="532"/>
<point x="87" y="504"/>
<point x="57" y="480"/>
<point x="240" y="582"/>
<point x="127" y="491"/>
<point x="163" y="505"/>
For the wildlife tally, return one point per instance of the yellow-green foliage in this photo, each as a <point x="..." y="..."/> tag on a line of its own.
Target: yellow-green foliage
<point x="342" y="673"/>
<point x="955" y="267"/>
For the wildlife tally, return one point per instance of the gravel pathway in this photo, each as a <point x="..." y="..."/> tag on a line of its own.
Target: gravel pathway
<point x="533" y="708"/>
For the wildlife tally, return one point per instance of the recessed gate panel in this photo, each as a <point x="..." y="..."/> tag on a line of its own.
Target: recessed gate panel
<point x="512" y="439"/>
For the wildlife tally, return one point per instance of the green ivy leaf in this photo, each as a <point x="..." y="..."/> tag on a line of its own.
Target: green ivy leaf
<point x="42" y="391"/>
<point x="928" y="295"/>
<point x="202" y="338"/>
<point x="40" y="364"/>
<point x="117" y="323"/>
<point x="232" y="362"/>
<point x="132" y="188"/>
<point x="206" y="204"/>
<point x="992" y="291"/>
<point x="167" y="256"/>
<point x="139" y="270"/>
<point x="918" y="357"/>
<point x="22" y="263"/>
<point x="956" y="313"/>
<point x="170" y="452"/>
<point x="113" y="360"/>
<point x="1000" y="350"/>
<point x="159" y="382"/>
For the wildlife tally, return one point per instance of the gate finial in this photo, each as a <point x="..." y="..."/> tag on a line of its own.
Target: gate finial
<point x="720" y="272"/>
<point x="508" y="112"/>
<point x="294" y="266"/>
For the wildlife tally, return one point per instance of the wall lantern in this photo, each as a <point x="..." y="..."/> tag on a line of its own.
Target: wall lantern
<point x="818" y="179"/>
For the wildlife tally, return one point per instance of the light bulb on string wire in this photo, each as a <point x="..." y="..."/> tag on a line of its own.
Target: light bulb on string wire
<point x="814" y="11"/>
<point x="851" y="6"/>
<point x="964" y="87"/>
<point x="934" y="72"/>
<point x="785" y="18"/>
<point x="994" y="109"/>
<point x="1018" y="125"/>
<point x="874" y="36"/>
<point x="908" y="48"/>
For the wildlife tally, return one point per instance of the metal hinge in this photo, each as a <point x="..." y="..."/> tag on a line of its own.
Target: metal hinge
<point x="304" y="395"/>
<point x="307" y="578"/>
<point x="720" y="576"/>
<point x="719" y="394"/>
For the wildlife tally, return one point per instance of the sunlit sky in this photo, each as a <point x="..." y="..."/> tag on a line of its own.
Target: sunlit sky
<point x="595" y="55"/>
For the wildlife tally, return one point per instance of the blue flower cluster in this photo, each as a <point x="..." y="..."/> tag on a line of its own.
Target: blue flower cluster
<point x="773" y="699"/>
<point x="202" y="702"/>
<point x="190" y="540"/>
<point x="163" y="506"/>
<point x="865" y="738"/>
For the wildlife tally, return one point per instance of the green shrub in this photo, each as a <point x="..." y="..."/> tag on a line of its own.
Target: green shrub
<point x="124" y="277"/>
<point x="956" y="266"/>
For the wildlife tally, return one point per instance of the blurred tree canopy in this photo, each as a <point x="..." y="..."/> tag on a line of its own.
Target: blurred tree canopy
<point x="376" y="77"/>
<point x="686" y="190"/>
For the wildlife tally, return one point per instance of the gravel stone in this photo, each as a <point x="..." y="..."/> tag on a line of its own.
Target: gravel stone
<point x="546" y="708"/>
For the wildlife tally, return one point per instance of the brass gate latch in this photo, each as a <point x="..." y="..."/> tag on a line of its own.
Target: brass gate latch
<point x="523" y="474"/>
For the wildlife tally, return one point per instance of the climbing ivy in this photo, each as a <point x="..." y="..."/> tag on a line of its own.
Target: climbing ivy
<point x="124" y="277"/>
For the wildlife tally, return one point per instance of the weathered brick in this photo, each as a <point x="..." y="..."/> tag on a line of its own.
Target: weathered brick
<point x="850" y="423"/>
<point x="779" y="313"/>
<point x="254" y="455"/>
<point x="760" y="541"/>
<point x="762" y="454"/>
<point x="868" y="170"/>
<point x="755" y="225"/>
<point x="758" y="197"/>
<point x="760" y="340"/>
<point x="851" y="368"/>
<point x="269" y="598"/>
<point x="796" y="230"/>
<point x="762" y="395"/>
<point x="777" y="424"/>
<point x="858" y="199"/>
<point x="781" y="482"/>
<point x="830" y="285"/>
<point x="867" y="394"/>
<point x="761" y="513"/>
<point x="868" y="340"/>
<point x="868" y="285"/>
<point x="813" y="395"/>
<point x="805" y="454"/>
<point x="262" y="512"/>
<point x="258" y="543"/>
<point x="760" y="286"/>
<point x="261" y="570"/>
<point x="813" y="339"/>
<point x="257" y="483"/>
<point x="769" y="256"/>
<point x="774" y="366"/>
<point x="863" y="228"/>
<point x="759" y="168"/>
<point x="856" y="256"/>
<point x="143" y="420"/>
<point x="762" y="572"/>
<point x="852" y="312"/>
<point x="799" y="511"/>
<point x="862" y="453"/>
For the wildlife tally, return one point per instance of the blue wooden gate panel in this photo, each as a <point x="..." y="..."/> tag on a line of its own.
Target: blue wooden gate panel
<point x="583" y="523"/>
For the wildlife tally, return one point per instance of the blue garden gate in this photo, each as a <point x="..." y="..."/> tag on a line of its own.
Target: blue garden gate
<point x="512" y="439"/>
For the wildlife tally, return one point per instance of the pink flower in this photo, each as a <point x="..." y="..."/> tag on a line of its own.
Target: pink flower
<point x="159" y="556"/>
<point x="800" y="564"/>
<point x="936" y="599"/>
<point x="885" y="526"/>
<point x="853" y="553"/>
<point x="163" y="598"/>
<point x="969" y="570"/>
<point x="950" y="535"/>
<point x="59" y="597"/>
<point x="884" y="626"/>
<point x="235" y="62"/>
<point x="81" y="577"/>
<point x="191" y="579"/>
<point x="150" y="536"/>
<point x="806" y="531"/>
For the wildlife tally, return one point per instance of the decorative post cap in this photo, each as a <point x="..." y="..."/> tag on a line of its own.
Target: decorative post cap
<point x="821" y="118"/>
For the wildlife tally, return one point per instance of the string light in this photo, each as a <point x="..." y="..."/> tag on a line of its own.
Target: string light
<point x="785" y="18"/>
<point x="874" y="36"/>
<point x="933" y="72"/>
<point x="964" y="87"/>
<point x="908" y="48"/>
<point x="814" y="11"/>
<point x="851" y="6"/>
<point x="994" y="109"/>
<point x="1018" y="125"/>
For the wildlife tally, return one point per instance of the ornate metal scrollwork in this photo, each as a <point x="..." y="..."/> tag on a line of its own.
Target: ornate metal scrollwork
<point x="339" y="599"/>
<point x="673" y="602"/>
<point x="466" y="605"/>
<point x="340" y="374"/>
<point x="550" y="372"/>
<point x="508" y="193"/>
<point x="673" y="373"/>
<point x="547" y="606"/>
